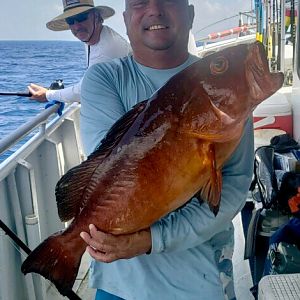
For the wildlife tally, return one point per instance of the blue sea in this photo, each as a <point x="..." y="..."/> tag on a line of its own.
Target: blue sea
<point x="40" y="62"/>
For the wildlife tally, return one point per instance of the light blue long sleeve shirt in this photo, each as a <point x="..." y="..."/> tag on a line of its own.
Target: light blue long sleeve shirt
<point x="189" y="245"/>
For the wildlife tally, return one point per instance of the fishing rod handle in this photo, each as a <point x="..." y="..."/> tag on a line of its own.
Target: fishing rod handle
<point x="15" y="94"/>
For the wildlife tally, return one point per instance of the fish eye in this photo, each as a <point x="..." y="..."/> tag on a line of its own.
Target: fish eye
<point x="219" y="65"/>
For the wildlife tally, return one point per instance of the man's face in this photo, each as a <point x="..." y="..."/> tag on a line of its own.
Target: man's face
<point x="158" y="24"/>
<point x="83" y="25"/>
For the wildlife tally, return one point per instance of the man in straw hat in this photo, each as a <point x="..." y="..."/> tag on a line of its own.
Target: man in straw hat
<point x="102" y="43"/>
<point x="185" y="255"/>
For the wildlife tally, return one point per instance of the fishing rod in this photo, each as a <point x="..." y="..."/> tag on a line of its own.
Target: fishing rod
<point x="56" y="85"/>
<point x="278" y="18"/>
<point x="14" y="237"/>
<point x="20" y="94"/>
<point x="274" y="60"/>
<point x="293" y="28"/>
<point x="70" y="294"/>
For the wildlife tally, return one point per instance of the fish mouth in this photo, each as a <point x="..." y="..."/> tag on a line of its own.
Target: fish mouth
<point x="262" y="83"/>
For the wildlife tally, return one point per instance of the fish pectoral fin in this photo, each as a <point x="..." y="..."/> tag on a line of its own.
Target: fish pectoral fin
<point x="211" y="192"/>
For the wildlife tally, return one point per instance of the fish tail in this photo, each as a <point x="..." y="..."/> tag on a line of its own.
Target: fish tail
<point x="57" y="259"/>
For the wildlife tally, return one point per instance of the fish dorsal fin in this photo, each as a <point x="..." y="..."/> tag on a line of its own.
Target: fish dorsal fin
<point x="117" y="131"/>
<point x="211" y="192"/>
<point x="71" y="187"/>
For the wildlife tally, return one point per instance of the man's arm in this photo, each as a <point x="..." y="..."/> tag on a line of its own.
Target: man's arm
<point x="69" y="94"/>
<point x="101" y="105"/>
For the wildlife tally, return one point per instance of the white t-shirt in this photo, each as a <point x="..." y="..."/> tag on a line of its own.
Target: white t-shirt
<point x="111" y="45"/>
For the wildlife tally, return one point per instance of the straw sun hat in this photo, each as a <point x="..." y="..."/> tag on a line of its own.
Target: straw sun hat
<point x="75" y="7"/>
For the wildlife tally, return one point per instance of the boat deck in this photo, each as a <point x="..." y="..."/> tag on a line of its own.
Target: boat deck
<point x="241" y="269"/>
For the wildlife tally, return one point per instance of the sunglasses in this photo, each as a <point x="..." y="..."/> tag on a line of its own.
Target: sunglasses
<point x="78" y="18"/>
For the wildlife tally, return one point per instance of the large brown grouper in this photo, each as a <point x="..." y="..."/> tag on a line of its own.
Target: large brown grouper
<point x="157" y="156"/>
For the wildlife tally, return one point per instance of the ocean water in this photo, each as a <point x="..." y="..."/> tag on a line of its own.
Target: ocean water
<point x="40" y="62"/>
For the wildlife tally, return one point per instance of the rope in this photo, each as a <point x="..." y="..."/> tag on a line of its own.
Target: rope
<point x="212" y="24"/>
<point x="14" y="246"/>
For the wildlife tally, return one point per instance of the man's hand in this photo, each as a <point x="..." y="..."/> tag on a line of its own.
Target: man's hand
<point x="38" y="92"/>
<point x="107" y="248"/>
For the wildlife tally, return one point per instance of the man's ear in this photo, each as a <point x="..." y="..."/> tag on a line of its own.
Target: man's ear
<point x="191" y="15"/>
<point x="98" y="18"/>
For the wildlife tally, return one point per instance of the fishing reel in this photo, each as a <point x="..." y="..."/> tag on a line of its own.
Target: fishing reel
<point x="57" y="85"/>
<point x="285" y="259"/>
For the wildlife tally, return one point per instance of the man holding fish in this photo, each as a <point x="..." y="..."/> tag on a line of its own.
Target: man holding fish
<point x="185" y="248"/>
<point x="154" y="201"/>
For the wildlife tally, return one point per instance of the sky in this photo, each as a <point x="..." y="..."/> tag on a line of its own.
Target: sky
<point x="26" y="19"/>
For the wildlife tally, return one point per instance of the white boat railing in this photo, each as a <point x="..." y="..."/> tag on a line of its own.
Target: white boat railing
<point x="40" y="120"/>
<point x="27" y="200"/>
<point x="235" y="31"/>
<point x="216" y="46"/>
